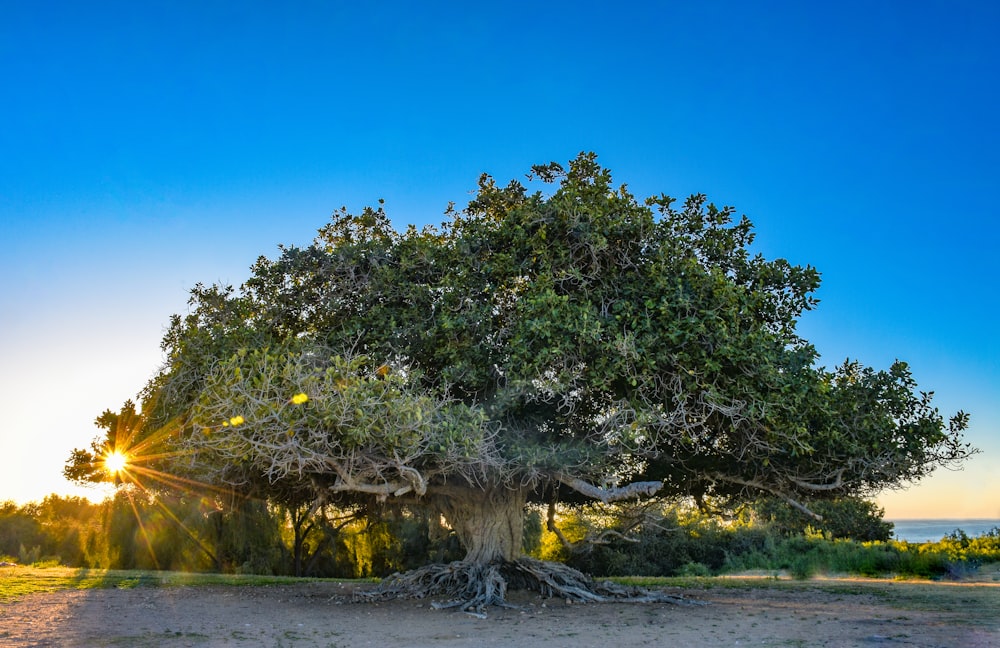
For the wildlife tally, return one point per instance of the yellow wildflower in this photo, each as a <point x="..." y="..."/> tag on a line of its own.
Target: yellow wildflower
<point x="236" y="420"/>
<point x="299" y="398"/>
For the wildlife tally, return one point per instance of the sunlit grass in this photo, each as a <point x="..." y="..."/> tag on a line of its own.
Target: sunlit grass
<point x="16" y="582"/>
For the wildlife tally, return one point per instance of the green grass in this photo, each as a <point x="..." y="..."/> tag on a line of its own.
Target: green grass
<point x="19" y="581"/>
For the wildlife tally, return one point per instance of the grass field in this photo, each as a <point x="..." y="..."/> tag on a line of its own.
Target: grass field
<point x="18" y="581"/>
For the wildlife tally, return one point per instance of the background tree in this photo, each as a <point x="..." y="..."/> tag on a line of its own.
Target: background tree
<point x="20" y="530"/>
<point x="312" y="529"/>
<point x="565" y="346"/>
<point x="68" y="523"/>
<point x="57" y="529"/>
<point x="843" y="518"/>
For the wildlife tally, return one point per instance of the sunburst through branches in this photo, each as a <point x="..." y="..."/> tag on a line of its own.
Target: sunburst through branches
<point x="134" y="461"/>
<point x="115" y="462"/>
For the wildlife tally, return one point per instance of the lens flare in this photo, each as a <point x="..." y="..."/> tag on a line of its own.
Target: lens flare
<point x="115" y="462"/>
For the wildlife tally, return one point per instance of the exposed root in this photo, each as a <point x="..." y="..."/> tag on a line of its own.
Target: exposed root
<point x="472" y="586"/>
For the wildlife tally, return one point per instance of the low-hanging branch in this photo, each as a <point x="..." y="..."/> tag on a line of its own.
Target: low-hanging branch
<point x="610" y="494"/>
<point x="762" y="487"/>
<point x="602" y="537"/>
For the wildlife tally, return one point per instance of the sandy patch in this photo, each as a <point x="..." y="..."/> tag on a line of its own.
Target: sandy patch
<point x="322" y="614"/>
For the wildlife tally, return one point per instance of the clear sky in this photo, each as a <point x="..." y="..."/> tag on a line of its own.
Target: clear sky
<point x="147" y="146"/>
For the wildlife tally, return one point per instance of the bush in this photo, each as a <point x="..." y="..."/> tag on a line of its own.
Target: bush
<point x="668" y="548"/>
<point x="697" y="546"/>
<point x="29" y="556"/>
<point x="694" y="569"/>
<point x="846" y="518"/>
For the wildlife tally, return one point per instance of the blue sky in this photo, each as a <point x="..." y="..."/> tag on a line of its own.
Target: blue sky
<point x="145" y="147"/>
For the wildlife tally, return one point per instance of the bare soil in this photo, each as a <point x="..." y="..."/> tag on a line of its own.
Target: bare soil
<point x="324" y="614"/>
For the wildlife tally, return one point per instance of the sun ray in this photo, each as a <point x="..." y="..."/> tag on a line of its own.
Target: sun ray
<point x="142" y="530"/>
<point x="177" y="482"/>
<point x="153" y="439"/>
<point x="131" y="460"/>
<point x="187" y="531"/>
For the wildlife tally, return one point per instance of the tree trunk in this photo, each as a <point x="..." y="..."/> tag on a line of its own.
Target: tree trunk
<point x="489" y="524"/>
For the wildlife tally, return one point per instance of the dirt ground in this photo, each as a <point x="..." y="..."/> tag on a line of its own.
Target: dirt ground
<point x="323" y="614"/>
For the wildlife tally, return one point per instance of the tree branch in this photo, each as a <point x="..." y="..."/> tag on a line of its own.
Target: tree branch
<point x="767" y="489"/>
<point x="601" y="538"/>
<point x="837" y="483"/>
<point x="346" y="483"/>
<point x="382" y="491"/>
<point x="607" y="495"/>
<point x="550" y="524"/>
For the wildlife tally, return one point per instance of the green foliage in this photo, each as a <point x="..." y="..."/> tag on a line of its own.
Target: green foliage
<point x="671" y="544"/>
<point x="120" y="432"/>
<point x="349" y="406"/>
<point x="581" y="331"/>
<point x="804" y="557"/>
<point x="138" y="530"/>
<point x="843" y="518"/>
<point x="135" y="532"/>
<point x="55" y="530"/>
<point x="570" y="344"/>
<point x="246" y="538"/>
<point x="393" y="541"/>
<point x="19" y="526"/>
<point x="678" y="543"/>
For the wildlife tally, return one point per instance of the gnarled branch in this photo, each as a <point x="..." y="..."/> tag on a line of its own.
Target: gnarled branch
<point x="837" y="483"/>
<point x="769" y="489"/>
<point x="601" y="538"/>
<point x="607" y="495"/>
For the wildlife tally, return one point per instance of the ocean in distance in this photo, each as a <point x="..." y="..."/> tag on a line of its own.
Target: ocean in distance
<point x="934" y="530"/>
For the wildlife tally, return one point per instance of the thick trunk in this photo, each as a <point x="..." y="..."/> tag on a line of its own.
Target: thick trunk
<point x="489" y="524"/>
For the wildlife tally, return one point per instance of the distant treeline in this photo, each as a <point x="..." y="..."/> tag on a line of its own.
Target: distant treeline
<point x="137" y="530"/>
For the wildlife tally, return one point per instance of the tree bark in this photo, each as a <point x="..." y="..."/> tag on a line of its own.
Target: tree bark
<point x="489" y="524"/>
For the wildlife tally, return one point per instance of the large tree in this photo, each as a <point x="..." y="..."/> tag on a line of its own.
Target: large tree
<point x="566" y="345"/>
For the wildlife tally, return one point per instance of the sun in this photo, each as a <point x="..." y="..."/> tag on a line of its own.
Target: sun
<point x="115" y="462"/>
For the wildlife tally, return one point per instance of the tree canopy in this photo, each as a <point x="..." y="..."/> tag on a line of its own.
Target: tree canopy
<point x="569" y="344"/>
